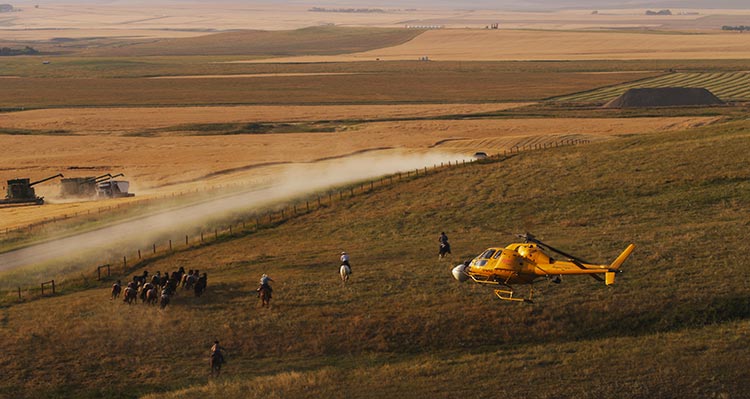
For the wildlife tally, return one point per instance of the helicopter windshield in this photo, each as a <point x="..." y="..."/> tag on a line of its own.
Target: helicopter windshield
<point x="487" y="254"/>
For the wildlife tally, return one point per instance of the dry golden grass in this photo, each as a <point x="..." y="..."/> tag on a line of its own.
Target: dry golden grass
<point x="113" y="121"/>
<point x="166" y="19"/>
<point x="497" y="45"/>
<point x="670" y="327"/>
<point x="154" y="165"/>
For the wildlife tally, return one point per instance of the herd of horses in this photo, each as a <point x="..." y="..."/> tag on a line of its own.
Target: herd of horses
<point x="159" y="288"/>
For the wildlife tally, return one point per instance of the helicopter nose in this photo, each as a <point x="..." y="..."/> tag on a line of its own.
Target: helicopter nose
<point x="459" y="273"/>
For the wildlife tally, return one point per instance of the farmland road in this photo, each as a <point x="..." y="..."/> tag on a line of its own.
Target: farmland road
<point x="122" y="237"/>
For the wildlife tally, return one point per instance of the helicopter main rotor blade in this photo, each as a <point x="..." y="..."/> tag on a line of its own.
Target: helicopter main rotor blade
<point x="530" y="238"/>
<point x="575" y="260"/>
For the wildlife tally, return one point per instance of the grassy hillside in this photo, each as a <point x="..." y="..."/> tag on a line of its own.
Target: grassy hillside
<point x="674" y="325"/>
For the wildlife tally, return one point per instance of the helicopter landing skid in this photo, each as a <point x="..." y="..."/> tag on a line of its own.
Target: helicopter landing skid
<point x="507" y="295"/>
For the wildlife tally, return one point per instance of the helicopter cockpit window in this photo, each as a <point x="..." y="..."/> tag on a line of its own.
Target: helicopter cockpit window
<point x="497" y="255"/>
<point x="487" y="254"/>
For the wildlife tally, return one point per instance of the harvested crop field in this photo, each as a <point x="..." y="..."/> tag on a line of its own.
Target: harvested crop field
<point x="165" y="165"/>
<point x="412" y="84"/>
<point x="498" y="45"/>
<point x="84" y="121"/>
<point x="193" y="157"/>
<point x="728" y="86"/>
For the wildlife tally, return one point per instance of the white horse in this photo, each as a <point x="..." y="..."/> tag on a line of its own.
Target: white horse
<point x="345" y="271"/>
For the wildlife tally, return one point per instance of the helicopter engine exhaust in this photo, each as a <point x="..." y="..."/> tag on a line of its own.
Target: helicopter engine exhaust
<point x="459" y="273"/>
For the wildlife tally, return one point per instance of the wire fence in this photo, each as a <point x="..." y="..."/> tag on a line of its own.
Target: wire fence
<point x="248" y="223"/>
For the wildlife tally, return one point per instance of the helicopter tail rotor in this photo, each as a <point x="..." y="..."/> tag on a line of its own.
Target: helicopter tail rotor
<point x="614" y="268"/>
<point x="620" y="259"/>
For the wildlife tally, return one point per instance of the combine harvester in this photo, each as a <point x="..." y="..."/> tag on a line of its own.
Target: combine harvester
<point x="21" y="192"/>
<point x="113" y="188"/>
<point x="88" y="187"/>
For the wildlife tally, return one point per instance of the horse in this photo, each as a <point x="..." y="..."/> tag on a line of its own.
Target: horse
<point x="164" y="301"/>
<point x="188" y="281"/>
<point x="144" y="290"/>
<point x="152" y="296"/>
<point x="200" y="286"/>
<point x="116" y="289"/>
<point x="264" y="293"/>
<point x="131" y="295"/>
<point x="445" y="249"/>
<point x="217" y="359"/>
<point x="345" y="271"/>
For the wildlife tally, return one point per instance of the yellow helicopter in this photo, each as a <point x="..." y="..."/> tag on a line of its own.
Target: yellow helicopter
<point x="524" y="263"/>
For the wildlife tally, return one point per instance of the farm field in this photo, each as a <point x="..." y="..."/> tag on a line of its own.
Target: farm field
<point x="198" y="161"/>
<point x="728" y="86"/>
<point x="404" y="319"/>
<point x="154" y="120"/>
<point x="499" y="45"/>
<point x="163" y="19"/>
<point x="227" y="115"/>
<point x="409" y="85"/>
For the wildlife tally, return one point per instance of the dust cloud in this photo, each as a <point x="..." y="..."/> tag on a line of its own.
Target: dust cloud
<point x="294" y="180"/>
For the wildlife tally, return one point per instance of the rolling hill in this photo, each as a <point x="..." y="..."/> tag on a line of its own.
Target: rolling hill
<point x="675" y="325"/>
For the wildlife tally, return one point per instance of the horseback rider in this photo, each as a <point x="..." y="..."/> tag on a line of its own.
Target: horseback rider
<point x="445" y="247"/>
<point x="443" y="239"/>
<point x="345" y="261"/>
<point x="264" y="280"/>
<point x="217" y="352"/>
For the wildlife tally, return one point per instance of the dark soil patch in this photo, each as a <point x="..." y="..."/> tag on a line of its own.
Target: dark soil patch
<point x="664" y="97"/>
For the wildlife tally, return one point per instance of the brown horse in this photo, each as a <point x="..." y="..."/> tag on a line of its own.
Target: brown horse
<point x="164" y="300"/>
<point x="265" y="296"/>
<point x="130" y="295"/>
<point x="217" y="359"/>
<point x="116" y="289"/>
<point x="152" y="296"/>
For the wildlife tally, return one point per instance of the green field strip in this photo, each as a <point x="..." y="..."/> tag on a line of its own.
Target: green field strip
<point x="717" y="80"/>
<point x="740" y="86"/>
<point x="726" y="85"/>
<point x="675" y="80"/>
<point x="688" y="81"/>
<point x="742" y="93"/>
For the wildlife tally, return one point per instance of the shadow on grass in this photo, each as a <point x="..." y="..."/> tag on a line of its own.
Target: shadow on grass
<point x="671" y="316"/>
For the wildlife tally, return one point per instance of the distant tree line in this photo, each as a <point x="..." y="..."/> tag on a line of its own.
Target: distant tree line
<point x="362" y="10"/>
<point x="738" y="27"/>
<point x="660" y="12"/>
<point x="6" y="8"/>
<point x="6" y="51"/>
